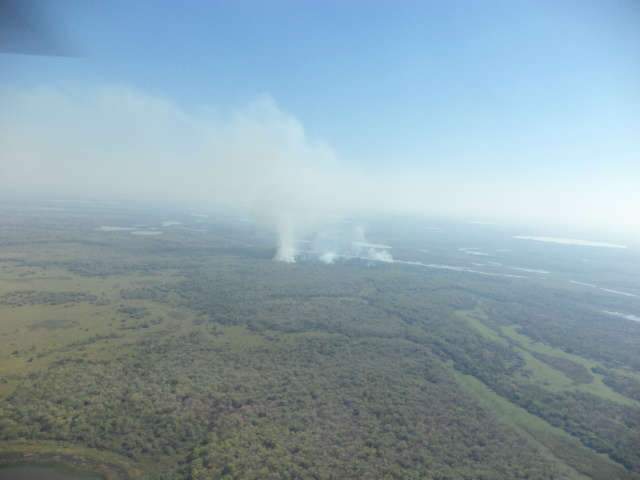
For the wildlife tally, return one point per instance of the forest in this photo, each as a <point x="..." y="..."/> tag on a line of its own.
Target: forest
<point x="192" y="355"/>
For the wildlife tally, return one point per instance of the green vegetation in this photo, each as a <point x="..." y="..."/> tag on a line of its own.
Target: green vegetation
<point x="625" y="383"/>
<point x="577" y="372"/>
<point x="30" y="297"/>
<point x="575" y="460"/>
<point x="188" y="357"/>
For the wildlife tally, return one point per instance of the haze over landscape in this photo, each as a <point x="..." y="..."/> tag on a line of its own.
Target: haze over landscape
<point x="449" y="110"/>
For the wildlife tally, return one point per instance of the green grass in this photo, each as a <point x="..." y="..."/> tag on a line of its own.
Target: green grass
<point x="544" y="374"/>
<point x="473" y="318"/>
<point x="541" y="373"/>
<point x="573" y="459"/>
<point x="42" y="334"/>
<point x="108" y="465"/>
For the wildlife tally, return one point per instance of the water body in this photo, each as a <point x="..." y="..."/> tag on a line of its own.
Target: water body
<point x="473" y="251"/>
<point x="457" y="269"/>
<point x="618" y="292"/>
<point x="530" y="270"/>
<point x="627" y="316"/>
<point x="110" y="228"/>
<point x="608" y="290"/>
<point x="146" y="233"/>
<point x="371" y="245"/>
<point x="570" y="241"/>
<point x="41" y="472"/>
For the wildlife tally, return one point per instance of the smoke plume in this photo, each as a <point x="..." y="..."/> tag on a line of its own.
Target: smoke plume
<point x="121" y="143"/>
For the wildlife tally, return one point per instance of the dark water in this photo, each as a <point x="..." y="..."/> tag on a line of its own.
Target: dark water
<point x="37" y="472"/>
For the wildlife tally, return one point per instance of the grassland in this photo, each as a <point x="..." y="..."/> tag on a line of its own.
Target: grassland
<point x="542" y="373"/>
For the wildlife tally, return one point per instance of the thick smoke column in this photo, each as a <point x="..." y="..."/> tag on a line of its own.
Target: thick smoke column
<point x="286" y="241"/>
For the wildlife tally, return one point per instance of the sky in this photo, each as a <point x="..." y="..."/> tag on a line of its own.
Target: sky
<point x="494" y="110"/>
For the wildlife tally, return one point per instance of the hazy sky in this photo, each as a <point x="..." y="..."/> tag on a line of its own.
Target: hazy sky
<point x="490" y="110"/>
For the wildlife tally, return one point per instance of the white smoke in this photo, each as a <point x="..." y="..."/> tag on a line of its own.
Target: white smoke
<point x="257" y="160"/>
<point x="119" y="142"/>
<point x="286" y="241"/>
<point x="328" y="257"/>
<point x="379" y="255"/>
<point x="341" y="241"/>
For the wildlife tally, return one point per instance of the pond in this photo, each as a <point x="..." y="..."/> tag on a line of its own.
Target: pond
<point x="42" y="472"/>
